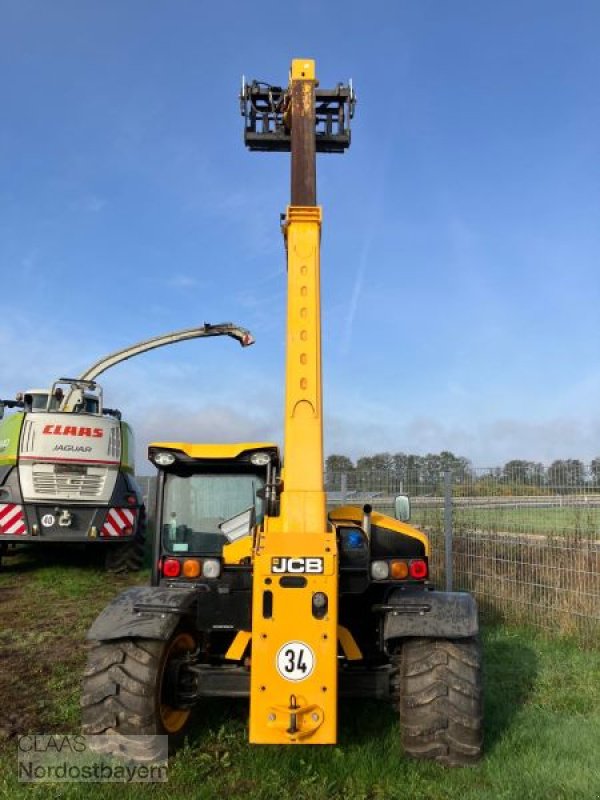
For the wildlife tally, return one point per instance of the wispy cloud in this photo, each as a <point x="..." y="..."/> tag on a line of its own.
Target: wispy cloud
<point x="373" y="214"/>
<point x="485" y="443"/>
<point x="356" y="292"/>
<point x="93" y="203"/>
<point x="212" y="423"/>
<point x="182" y="281"/>
<point x="29" y="262"/>
<point x="165" y="398"/>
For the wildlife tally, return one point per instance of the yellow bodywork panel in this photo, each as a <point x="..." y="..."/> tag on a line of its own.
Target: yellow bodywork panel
<point x="238" y="551"/>
<point x="303" y="502"/>
<point x="303" y="69"/>
<point x="293" y="683"/>
<point x="214" y="451"/>
<point x="354" y="514"/>
<point x="293" y="680"/>
<point x="348" y="644"/>
<point x="238" y="647"/>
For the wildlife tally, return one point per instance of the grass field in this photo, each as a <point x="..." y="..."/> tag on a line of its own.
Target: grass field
<point x="555" y="521"/>
<point x="542" y="714"/>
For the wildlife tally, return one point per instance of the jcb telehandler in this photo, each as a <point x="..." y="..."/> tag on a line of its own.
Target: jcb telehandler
<point x="256" y="592"/>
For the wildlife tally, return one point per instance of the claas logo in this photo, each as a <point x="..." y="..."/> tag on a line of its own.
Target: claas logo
<point x="73" y="430"/>
<point x="298" y="565"/>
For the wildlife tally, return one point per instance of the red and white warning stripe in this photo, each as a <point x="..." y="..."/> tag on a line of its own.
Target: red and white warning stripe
<point x="12" y="519"/>
<point x="119" y="522"/>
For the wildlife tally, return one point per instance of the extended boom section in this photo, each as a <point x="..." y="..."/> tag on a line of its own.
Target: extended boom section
<point x="293" y="697"/>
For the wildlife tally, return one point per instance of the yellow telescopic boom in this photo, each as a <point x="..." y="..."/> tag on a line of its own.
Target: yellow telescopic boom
<point x="293" y="696"/>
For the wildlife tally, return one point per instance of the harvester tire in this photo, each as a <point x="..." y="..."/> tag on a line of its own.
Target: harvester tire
<point x="8" y="549"/>
<point x="124" y="696"/>
<point x="127" y="556"/>
<point x="437" y="690"/>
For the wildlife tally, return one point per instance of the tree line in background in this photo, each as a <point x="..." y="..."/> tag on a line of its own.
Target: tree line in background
<point x="408" y="472"/>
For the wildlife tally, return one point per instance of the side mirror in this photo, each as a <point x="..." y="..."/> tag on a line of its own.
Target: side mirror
<point x="402" y="508"/>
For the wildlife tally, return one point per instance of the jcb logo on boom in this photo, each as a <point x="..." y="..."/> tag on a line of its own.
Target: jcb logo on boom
<point x="312" y="565"/>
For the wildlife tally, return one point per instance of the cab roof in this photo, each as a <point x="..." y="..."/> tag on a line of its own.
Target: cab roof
<point x="216" y="452"/>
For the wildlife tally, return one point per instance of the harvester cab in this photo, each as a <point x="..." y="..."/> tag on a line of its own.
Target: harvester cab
<point x="81" y="397"/>
<point x="257" y="590"/>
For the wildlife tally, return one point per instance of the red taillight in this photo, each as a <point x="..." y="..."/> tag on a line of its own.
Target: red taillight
<point x="417" y="570"/>
<point x="171" y="568"/>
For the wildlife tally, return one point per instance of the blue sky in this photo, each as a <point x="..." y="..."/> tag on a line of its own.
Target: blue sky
<point x="461" y="244"/>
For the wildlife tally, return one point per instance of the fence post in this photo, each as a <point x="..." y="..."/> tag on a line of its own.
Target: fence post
<point x="448" y="529"/>
<point x="343" y="487"/>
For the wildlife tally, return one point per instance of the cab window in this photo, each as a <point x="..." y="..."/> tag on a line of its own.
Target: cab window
<point x="39" y="402"/>
<point x="194" y="506"/>
<point x="90" y="405"/>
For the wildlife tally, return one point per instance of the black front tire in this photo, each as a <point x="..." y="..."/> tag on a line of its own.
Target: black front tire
<point x="437" y="691"/>
<point x="123" y="693"/>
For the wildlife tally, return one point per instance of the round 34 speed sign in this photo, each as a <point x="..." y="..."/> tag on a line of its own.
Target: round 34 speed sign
<point x="295" y="661"/>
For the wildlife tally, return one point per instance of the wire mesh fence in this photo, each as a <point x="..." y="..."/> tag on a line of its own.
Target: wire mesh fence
<point x="524" y="539"/>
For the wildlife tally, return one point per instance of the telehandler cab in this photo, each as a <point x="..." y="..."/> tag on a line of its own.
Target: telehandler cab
<point x="256" y="591"/>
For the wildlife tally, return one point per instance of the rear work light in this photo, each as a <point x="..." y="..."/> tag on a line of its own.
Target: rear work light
<point x="380" y="570"/>
<point x="211" y="568"/>
<point x="418" y="569"/>
<point x="171" y="568"/>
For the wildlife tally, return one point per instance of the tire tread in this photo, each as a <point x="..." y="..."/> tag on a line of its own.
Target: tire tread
<point x="436" y="688"/>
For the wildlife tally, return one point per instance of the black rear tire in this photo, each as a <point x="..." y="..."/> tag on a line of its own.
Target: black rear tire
<point x="123" y="693"/>
<point x="8" y="549"/>
<point x="125" y="557"/>
<point x="128" y="556"/>
<point x="437" y="691"/>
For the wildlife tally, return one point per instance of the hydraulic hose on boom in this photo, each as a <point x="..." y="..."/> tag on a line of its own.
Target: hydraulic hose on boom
<point x="293" y="696"/>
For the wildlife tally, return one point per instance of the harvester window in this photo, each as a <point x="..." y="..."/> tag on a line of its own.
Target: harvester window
<point x="195" y="506"/>
<point x="39" y="402"/>
<point x="90" y="404"/>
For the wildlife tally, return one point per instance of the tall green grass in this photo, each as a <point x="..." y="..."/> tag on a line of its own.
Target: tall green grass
<point x="542" y="730"/>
